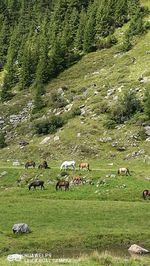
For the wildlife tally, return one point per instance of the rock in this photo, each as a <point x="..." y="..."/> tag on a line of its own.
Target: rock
<point x="16" y="163"/>
<point x="147" y="130"/>
<point x="56" y="138"/>
<point x="45" y="140"/>
<point x="3" y="173"/>
<point x="16" y="257"/>
<point x="137" y="249"/>
<point x="20" y="228"/>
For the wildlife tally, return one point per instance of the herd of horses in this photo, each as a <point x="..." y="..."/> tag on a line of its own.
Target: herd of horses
<point x="76" y="179"/>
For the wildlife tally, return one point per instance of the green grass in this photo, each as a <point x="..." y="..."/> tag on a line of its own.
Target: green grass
<point x="85" y="217"/>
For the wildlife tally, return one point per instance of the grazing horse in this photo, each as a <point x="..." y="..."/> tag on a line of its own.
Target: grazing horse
<point x="146" y="193"/>
<point x="44" y="165"/>
<point x="29" y="164"/>
<point x="77" y="179"/>
<point x="84" y="166"/>
<point x="65" y="165"/>
<point x="37" y="183"/>
<point x="123" y="171"/>
<point x="62" y="183"/>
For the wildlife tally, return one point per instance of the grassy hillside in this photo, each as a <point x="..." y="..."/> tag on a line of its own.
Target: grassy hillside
<point x="99" y="79"/>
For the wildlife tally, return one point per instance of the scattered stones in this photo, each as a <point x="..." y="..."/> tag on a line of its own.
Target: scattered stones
<point x="105" y="139"/>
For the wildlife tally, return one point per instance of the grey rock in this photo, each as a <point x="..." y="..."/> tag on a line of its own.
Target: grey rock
<point x="21" y="228"/>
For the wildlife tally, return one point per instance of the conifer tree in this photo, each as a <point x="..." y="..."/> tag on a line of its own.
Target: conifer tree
<point x="80" y="30"/>
<point x="89" y="33"/>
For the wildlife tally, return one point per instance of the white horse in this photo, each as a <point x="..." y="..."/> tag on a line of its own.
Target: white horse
<point x="65" y="165"/>
<point x="123" y="171"/>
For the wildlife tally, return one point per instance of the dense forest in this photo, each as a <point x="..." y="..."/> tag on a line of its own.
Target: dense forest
<point x="40" y="38"/>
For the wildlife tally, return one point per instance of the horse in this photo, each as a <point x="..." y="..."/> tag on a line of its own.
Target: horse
<point x="36" y="183"/>
<point x="62" y="183"/>
<point x="146" y="193"/>
<point x="44" y="165"/>
<point x="84" y="166"/>
<point x="77" y="179"/>
<point x="123" y="171"/>
<point x="29" y="164"/>
<point x="68" y="164"/>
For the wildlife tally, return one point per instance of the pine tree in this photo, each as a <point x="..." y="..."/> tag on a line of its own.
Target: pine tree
<point x="80" y="31"/>
<point x="89" y="33"/>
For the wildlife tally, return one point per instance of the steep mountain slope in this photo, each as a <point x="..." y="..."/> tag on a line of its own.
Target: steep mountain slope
<point x="83" y="96"/>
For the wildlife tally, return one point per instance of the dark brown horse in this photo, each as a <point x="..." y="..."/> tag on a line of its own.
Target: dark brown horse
<point x="146" y="193"/>
<point x="62" y="183"/>
<point x="84" y="166"/>
<point x="29" y="164"/>
<point x="44" y="165"/>
<point x="37" y="183"/>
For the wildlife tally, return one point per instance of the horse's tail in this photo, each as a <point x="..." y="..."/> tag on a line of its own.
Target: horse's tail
<point x="145" y="193"/>
<point x="57" y="186"/>
<point x="43" y="184"/>
<point x="128" y="171"/>
<point x="118" y="171"/>
<point x="88" y="167"/>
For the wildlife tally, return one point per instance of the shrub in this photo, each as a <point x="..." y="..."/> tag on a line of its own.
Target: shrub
<point x="2" y="141"/>
<point x="49" y="126"/>
<point x="76" y="111"/>
<point x="58" y="101"/>
<point x="110" y="124"/>
<point x="147" y="103"/>
<point x="128" y="105"/>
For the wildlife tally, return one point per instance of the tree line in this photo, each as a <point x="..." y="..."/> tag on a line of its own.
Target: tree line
<point x="40" y="38"/>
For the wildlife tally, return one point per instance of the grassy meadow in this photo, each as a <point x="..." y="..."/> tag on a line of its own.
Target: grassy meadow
<point x="108" y="214"/>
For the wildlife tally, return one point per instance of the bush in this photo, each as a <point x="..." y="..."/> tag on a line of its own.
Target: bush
<point x="128" y="105"/>
<point x="2" y="141"/>
<point x="107" y="42"/>
<point x="58" y="101"/>
<point x="110" y="124"/>
<point x="49" y="126"/>
<point x="147" y="103"/>
<point x="76" y="111"/>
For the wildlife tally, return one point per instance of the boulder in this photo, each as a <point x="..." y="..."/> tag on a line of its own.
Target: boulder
<point x="137" y="249"/>
<point x="20" y="228"/>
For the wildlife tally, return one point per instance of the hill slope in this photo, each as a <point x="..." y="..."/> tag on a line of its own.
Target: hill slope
<point x="84" y="96"/>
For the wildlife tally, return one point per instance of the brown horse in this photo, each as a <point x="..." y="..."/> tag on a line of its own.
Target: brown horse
<point x="29" y="164"/>
<point x="44" y="165"/>
<point x="36" y="183"/>
<point x="62" y="183"/>
<point x="84" y="166"/>
<point x="77" y="179"/>
<point x="146" y="193"/>
<point x="123" y="171"/>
